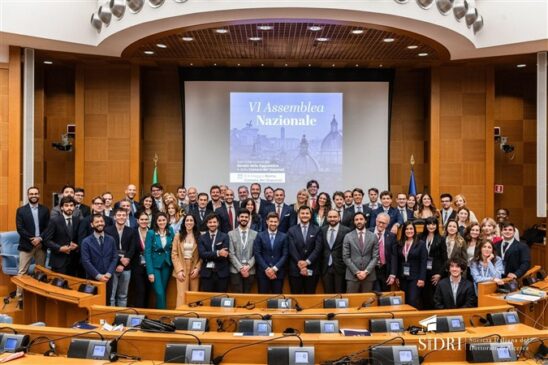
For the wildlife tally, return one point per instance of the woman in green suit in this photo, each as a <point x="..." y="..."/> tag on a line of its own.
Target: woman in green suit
<point x="158" y="257"/>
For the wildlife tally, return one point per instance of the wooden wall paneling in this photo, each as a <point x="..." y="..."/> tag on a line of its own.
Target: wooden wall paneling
<point x="4" y="128"/>
<point x="434" y="133"/>
<point x="135" y="127"/>
<point x="14" y="135"/>
<point x="39" y="134"/>
<point x="79" y="120"/>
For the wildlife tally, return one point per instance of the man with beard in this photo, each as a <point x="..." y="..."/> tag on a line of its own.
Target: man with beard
<point x="262" y="206"/>
<point x="228" y="212"/>
<point x="333" y="267"/>
<point x="242" y="268"/>
<point x="31" y="220"/>
<point x="99" y="254"/>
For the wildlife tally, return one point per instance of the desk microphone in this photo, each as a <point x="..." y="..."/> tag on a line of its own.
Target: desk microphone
<point x="316" y="305"/>
<point x="85" y="321"/>
<point x="367" y="303"/>
<point x="298" y="308"/>
<point x="200" y="302"/>
<point x="251" y="305"/>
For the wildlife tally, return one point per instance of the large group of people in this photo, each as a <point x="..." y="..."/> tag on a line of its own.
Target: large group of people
<point x="214" y="243"/>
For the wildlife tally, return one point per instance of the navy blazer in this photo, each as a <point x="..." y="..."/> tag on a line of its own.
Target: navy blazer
<point x="58" y="235"/>
<point x="395" y="217"/>
<point x="335" y="252"/>
<point x="416" y="259"/>
<point x="96" y="259"/>
<point x="84" y="228"/>
<point x="264" y="208"/>
<point x="517" y="258"/>
<point x="130" y="241"/>
<point x="286" y="218"/>
<point x="304" y="249"/>
<point x="25" y="226"/>
<point x="466" y="295"/>
<point x="390" y="246"/>
<point x="348" y="216"/>
<point x="201" y="223"/>
<point x="267" y="256"/>
<point x="209" y="254"/>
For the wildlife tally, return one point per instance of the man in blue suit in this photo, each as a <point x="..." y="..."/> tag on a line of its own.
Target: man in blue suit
<point x="98" y="253"/>
<point x="396" y="219"/>
<point x="406" y="213"/>
<point x="283" y="211"/>
<point x="271" y="251"/>
<point x="213" y="247"/>
<point x="515" y="254"/>
<point x="305" y="247"/>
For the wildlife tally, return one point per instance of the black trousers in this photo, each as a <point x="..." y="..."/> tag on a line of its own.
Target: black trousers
<point x="382" y="276"/>
<point x="214" y="283"/>
<point x="333" y="283"/>
<point x="267" y="286"/>
<point x="303" y="284"/>
<point x="139" y="287"/>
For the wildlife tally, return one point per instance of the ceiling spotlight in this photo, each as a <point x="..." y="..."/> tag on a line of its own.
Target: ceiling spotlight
<point x="156" y="3"/>
<point x="117" y="8"/>
<point x="262" y="64"/>
<point x="221" y="31"/>
<point x="423" y="54"/>
<point x="357" y="65"/>
<point x="380" y="66"/>
<point x="460" y="7"/>
<point x="265" y="27"/>
<point x="444" y="6"/>
<point x="333" y="65"/>
<point x="214" y="64"/>
<point x="135" y="6"/>
<point x="238" y="65"/>
<point x="309" y="65"/>
<point x="314" y="28"/>
<point x="191" y="64"/>
<point x="187" y="39"/>
<point x="471" y="16"/>
<point x="96" y="22"/>
<point x="255" y="39"/>
<point x="388" y="40"/>
<point x="51" y="63"/>
<point x="412" y="46"/>
<point x="425" y="4"/>
<point x="322" y="39"/>
<point x="285" y="65"/>
<point x="521" y="65"/>
<point x="148" y="52"/>
<point x="478" y="24"/>
<point x="357" y="31"/>
<point x="104" y="14"/>
<point x="161" y="45"/>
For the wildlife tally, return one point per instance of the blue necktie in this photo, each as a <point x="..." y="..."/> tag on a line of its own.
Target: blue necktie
<point x="272" y="237"/>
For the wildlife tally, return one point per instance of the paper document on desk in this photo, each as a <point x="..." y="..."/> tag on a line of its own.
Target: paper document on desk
<point x="522" y="297"/>
<point x="429" y="323"/>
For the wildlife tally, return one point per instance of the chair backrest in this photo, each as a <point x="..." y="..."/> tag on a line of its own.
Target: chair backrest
<point x="9" y="241"/>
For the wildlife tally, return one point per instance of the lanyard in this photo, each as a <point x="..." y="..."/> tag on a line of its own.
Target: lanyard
<point x="406" y="249"/>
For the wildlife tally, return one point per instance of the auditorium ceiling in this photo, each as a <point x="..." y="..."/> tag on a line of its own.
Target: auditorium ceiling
<point x="288" y="44"/>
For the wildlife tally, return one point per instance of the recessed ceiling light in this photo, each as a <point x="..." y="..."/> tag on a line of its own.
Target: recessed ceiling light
<point x="322" y="39"/>
<point x="388" y="40"/>
<point x="187" y="39"/>
<point x="148" y="52"/>
<point x="357" y="65"/>
<point x="191" y="64"/>
<point x="161" y="45"/>
<point x="265" y="27"/>
<point x="309" y="65"/>
<point x="262" y="64"/>
<point x="255" y="39"/>
<point x="221" y="31"/>
<point x="48" y="62"/>
<point x="238" y="64"/>
<point x="412" y="47"/>
<point x="333" y="65"/>
<point x="314" y="28"/>
<point x="214" y="64"/>
<point x="521" y="65"/>
<point x="357" y="31"/>
<point x="423" y="54"/>
<point x="380" y="65"/>
<point x="285" y="65"/>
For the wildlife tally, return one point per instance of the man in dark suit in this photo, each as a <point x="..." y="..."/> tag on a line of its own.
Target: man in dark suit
<point x="360" y="254"/>
<point x="131" y="193"/>
<point x="387" y="266"/>
<point x="395" y="221"/>
<point x="515" y="254"/>
<point x="215" y="202"/>
<point x="348" y="216"/>
<point x="126" y="240"/>
<point x="99" y="254"/>
<point x="228" y="212"/>
<point x="67" y="190"/>
<point x="305" y="247"/>
<point x="213" y="247"/>
<point x="333" y="268"/>
<point x="262" y="206"/>
<point x="62" y="233"/>
<point x="201" y="212"/>
<point x="447" y="211"/>
<point x="85" y="228"/>
<point x="192" y="195"/>
<point x="131" y="221"/>
<point x="338" y="202"/>
<point x="406" y="213"/>
<point x="455" y="291"/>
<point x="79" y="195"/>
<point x="271" y="251"/>
<point x="283" y="211"/>
<point x="31" y="221"/>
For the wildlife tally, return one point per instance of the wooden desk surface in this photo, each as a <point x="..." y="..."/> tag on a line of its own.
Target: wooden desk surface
<point x="316" y="311"/>
<point x="47" y="290"/>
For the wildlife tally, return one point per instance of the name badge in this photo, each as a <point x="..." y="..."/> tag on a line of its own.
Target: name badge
<point x="429" y="263"/>
<point x="406" y="269"/>
<point x="310" y="272"/>
<point x="142" y="260"/>
<point x="244" y="262"/>
<point x="210" y="265"/>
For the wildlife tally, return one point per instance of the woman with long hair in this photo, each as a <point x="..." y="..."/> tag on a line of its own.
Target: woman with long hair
<point x="140" y="285"/>
<point x="463" y="219"/>
<point x="302" y="199"/>
<point x="158" y="257"/>
<point x="412" y="203"/>
<point x="489" y="230"/>
<point x="436" y="259"/>
<point x="412" y="258"/>
<point x="460" y="201"/>
<point x="472" y="238"/>
<point x="186" y="259"/>
<point x="486" y="265"/>
<point x="174" y="217"/>
<point x="455" y="244"/>
<point x="255" y="220"/>
<point x="319" y="213"/>
<point x="426" y="208"/>
<point x="146" y="204"/>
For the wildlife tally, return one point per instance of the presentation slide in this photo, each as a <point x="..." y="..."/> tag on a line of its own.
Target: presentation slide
<point x="284" y="138"/>
<point x="282" y="134"/>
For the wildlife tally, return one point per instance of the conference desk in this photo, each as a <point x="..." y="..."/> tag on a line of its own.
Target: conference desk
<point x="532" y="313"/>
<point x="150" y="346"/>
<point x="304" y="300"/>
<point x="44" y="302"/>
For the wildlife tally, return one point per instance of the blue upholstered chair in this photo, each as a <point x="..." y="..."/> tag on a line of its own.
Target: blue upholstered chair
<point x="8" y="250"/>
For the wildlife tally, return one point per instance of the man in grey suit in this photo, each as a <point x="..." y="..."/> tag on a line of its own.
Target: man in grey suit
<point x="360" y="254"/>
<point x="242" y="268"/>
